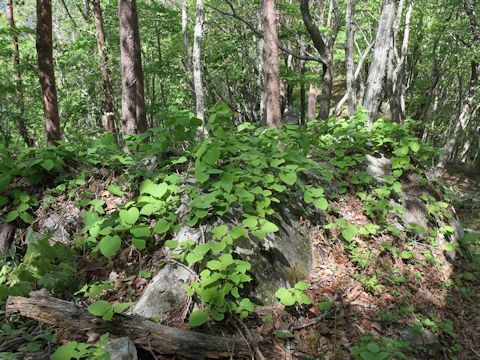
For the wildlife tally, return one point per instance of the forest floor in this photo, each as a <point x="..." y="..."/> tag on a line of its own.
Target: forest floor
<point x="390" y="296"/>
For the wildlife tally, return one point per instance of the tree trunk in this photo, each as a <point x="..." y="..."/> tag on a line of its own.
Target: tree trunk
<point x="271" y="65"/>
<point x="141" y="110"/>
<point x="17" y="77"/>
<point x="462" y="121"/>
<point x="324" y="47"/>
<point x="376" y="72"/>
<point x="350" y="63"/>
<point x="46" y="72"/>
<point x="109" y="112"/>
<point x="197" y="64"/>
<point x="127" y="58"/>
<point x="186" y="46"/>
<point x="133" y="98"/>
<point x="312" y="103"/>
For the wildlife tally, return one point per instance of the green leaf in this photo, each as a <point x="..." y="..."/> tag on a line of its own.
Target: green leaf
<point x="171" y="244"/>
<point x="145" y="274"/>
<point x="161" y="227"/>
<point x="139" y="244"/>
<point x="214" y="265"/>
<point x="156" y="190"/>
<point x="99" y="308"/>
<point x="321" y="203"/>
<point x="109" y="245"/>
<point x="211" y="156"/>
<point x="374" y="348"/>
<point x="226" y="260"/>
<point x="47" y="164"/>
<point x="197" y="318"/>
<point x="226" y="181"/>
<point x="288" y="178"/>
<point x="415" y="146"/>
<point x="406" y="255"/>
<point x="115" y="190"/>
<point x="193" y="258"/>
<point x="302" y="286"/>
<point x="12" y="215"/>
<point x="180" y="160"/>
<point x="268" y="227"/>
<point x="119" y="308"/>
<point x="349" y="231"/>
<point x="285" y="297"/>
<point x="283" y="334"/>
<point x="66" y="351"/>
<point x="220" y="231"/>
<point x="140" y="231"/>
<point x="4" y="181"/>
<point x="26" y="217"/>
<point x="129" y="216"/>
<point x="250" y="222"/>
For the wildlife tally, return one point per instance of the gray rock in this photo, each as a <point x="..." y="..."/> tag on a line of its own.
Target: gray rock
<point x="421" y="338"/>
<point x="122" y="348"/>
<point x="416" y="212"/>
<point x="379" y="168"/>
<point x="164" y="293"/>
<point x="61" y="225"/>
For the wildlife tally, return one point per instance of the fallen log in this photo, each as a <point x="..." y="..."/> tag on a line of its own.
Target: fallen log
<point x="162" y="339"/>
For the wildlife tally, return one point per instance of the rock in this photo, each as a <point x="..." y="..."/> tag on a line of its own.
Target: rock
<point x="61" y="225"/>
<point x="421" y="338"/>
<point x="379" y="168"/>
<point x="122" y="348"/>
<point x="164" y="293"/>
<point x="415" y="213"/>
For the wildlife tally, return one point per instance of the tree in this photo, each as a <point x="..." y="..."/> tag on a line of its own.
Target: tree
<point x="197" y="64"/>
<point x="46" y="72"/>
<point x="109" y="111"/>
<point x="324" y="46"/>
<point x="271" y="65"/>
<point x="376" y="73"/>
<point x="133" y="101"/>
<point x="17" y="76"/>
<point x="349" y="55"/>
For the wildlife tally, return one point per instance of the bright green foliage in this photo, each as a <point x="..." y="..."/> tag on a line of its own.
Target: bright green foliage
<point x="76" y="350"/>
<point x="382" y="349"/>
<point x="104" y="310"/>
<point x="289" y="297"/>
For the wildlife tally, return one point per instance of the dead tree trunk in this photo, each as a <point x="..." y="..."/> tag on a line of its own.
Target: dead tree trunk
<point x="349" y="54"/>
<point x="46" y="72"/>
<point x="17" y="77"/>
<point x="197" y="64"/>
<point x="109" y="111"/>
<point x="271" y="65"/>
<point x="7" y="233"/>
<point x="376" y="73"/>
<point x="311" y="103"/>
<point x="159" y="338"/>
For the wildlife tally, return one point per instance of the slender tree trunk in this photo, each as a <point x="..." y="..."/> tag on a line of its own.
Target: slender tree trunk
<point x="186" y="46"/>
<point x="109" y="111"/>
<point x="462" y="121"/>
<point x="197" y="64"/>
<point x="141" y="110"/>
<point x="312" y="103"/>
<point x="132" y="76"/>
<point x="17" y="77"/>
<point x="376" y="72"/>
<point x="350" y="63"/>
<point x="46" y="72"/>
<point x="271" y="65"/>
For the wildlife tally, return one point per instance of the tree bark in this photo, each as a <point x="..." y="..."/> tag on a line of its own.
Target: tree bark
<point x="17" y="77"/>
<point x="312" y="103"/>
<point x="133" y="99"/>
<point x="7" y="234"/>
<point x="271" y="65"/>
<point x="109" y="111"/>
<point x="197" y="64"/>
<point x="186" y="46"/>
<point x="349" y="54"/>
<point x="324" y="47"/>
<point x="149" y="335"/>
<point x="46" y="72"/>
<point x="127" y="58"/>
<point x="376" y="72"/>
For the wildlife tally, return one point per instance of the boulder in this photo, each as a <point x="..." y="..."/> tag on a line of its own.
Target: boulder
<point x="122" y="348"/>
<point x="420" y="338"/>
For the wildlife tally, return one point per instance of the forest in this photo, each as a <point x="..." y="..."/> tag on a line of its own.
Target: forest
<point x="239" y="179"/>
